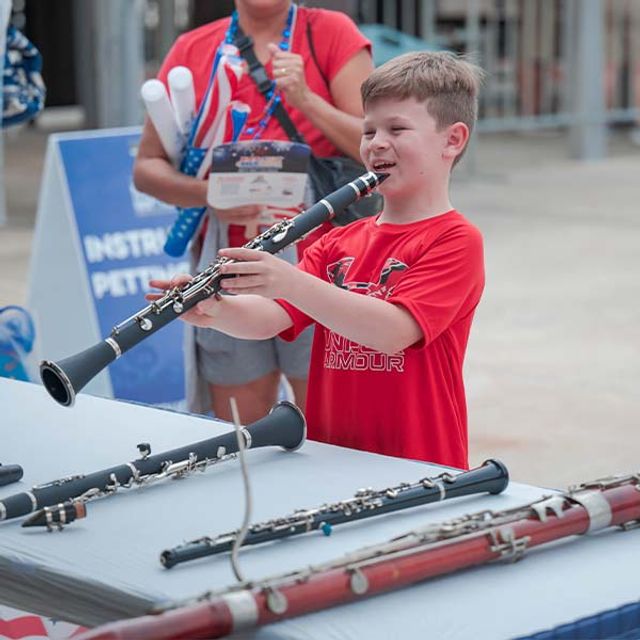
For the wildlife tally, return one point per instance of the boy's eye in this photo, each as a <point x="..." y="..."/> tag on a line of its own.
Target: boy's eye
<point x="398" y="128"/>
<point x="368" y="133"/>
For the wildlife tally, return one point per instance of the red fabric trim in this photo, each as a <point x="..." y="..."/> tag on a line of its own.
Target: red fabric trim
<point x="23" y="627"/>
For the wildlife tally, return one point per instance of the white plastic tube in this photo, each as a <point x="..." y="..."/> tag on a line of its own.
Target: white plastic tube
<point x="156" y="100"/>
<point x="183" y="97"/>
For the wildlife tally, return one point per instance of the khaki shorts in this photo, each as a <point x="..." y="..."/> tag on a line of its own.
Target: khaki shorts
<point x="225" y="360"/>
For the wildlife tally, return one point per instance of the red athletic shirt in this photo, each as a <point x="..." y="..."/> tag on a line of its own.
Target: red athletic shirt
<point x="410" y="404"/>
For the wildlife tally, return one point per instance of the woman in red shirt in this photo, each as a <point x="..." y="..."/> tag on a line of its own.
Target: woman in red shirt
<point x="317" y="59"/>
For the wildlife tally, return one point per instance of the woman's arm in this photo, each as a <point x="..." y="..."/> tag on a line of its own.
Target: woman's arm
<point x="342" y="123"/>
<point x="154" y="174"/>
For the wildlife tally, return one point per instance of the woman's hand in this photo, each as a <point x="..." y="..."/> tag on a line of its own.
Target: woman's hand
<point x="258" y="273"/>
<point x="288" y="73"/>
<point x="200" y="315"/>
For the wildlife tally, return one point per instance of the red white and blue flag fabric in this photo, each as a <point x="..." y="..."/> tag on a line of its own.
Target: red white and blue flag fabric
<point x="212" y="126"/>
<point x="20" y="625"/>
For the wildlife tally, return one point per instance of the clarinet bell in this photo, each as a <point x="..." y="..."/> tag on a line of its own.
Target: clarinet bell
<point x="284" y="426"/>
<point x="64" y="379"/>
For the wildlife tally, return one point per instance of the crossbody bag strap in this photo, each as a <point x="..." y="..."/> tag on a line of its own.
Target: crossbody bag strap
<point x="312" y="49"/>
<point x="259" y="75"/>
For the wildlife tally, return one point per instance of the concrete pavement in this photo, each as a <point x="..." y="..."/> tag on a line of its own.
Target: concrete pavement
<point x="554" y="357"/>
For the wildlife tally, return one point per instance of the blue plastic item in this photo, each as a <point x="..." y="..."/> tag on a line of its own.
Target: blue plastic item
<point x="17" y="335"/>
<point x="388" y="43"/>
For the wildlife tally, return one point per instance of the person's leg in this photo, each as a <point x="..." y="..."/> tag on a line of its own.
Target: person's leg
<point x="299" y="388"/>
<point x="244" y="369"/>
<point x="254" y="398"/>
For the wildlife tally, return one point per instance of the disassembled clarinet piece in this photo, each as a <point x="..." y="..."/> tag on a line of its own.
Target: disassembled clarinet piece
<point x="283" y="427"/>
<point x="491" y="477"/>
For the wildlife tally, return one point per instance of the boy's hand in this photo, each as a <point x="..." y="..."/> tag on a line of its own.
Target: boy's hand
<point x="200" y="315"/>
<point x="259" y="273"/>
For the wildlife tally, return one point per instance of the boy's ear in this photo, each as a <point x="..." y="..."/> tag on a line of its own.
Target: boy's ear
<point x="456" y="140"/>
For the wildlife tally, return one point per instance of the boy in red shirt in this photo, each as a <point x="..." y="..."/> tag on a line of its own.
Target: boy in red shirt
<point x="392" y="297"/>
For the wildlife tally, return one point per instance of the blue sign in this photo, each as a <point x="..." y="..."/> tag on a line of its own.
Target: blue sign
<point x="122" y="233"/>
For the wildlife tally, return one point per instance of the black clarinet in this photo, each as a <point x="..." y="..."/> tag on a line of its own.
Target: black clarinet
<point x="491" y="477"/>
<point x="284" y="427"/>
<point x="65" y="378"/>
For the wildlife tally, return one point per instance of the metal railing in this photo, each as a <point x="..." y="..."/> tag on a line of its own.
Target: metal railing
<point x="550" y="63"/>
<point x="567" y="64"/>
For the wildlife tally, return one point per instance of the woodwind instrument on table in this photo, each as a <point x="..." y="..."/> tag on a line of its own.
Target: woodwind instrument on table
<point x="284" y="427"/>
<point x="434" y="550"/>
<point x="491" y="477"/>
<point x="65" y="378"/>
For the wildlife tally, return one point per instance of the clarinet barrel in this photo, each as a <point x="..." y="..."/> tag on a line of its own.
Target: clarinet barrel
<point x="64" y="379"/>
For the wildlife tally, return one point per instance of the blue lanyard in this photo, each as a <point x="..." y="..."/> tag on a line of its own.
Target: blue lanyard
<point x="272" y="96"/>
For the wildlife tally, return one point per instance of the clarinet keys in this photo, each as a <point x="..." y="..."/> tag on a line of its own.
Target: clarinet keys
<point x="58" y="516"/>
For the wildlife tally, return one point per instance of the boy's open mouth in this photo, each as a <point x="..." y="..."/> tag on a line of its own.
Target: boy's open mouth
<point x="382" y="165"/>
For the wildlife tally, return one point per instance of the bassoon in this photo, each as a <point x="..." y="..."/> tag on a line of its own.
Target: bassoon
<point x="434" y="550"/>
<point x="64" y="379"/>
<point x="284" y="426"/>
<point x="491" y="477"/>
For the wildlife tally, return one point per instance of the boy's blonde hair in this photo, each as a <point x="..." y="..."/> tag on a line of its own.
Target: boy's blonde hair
<point x="445" y="82"/>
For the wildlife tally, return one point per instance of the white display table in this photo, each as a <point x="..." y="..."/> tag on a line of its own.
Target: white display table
<point x="106" y="566"/>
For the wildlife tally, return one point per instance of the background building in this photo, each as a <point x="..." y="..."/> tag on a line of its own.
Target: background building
<point x="550" y="63"/>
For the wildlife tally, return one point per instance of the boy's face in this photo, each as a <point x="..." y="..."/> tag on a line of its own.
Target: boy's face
<point x="400" y="138"/>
